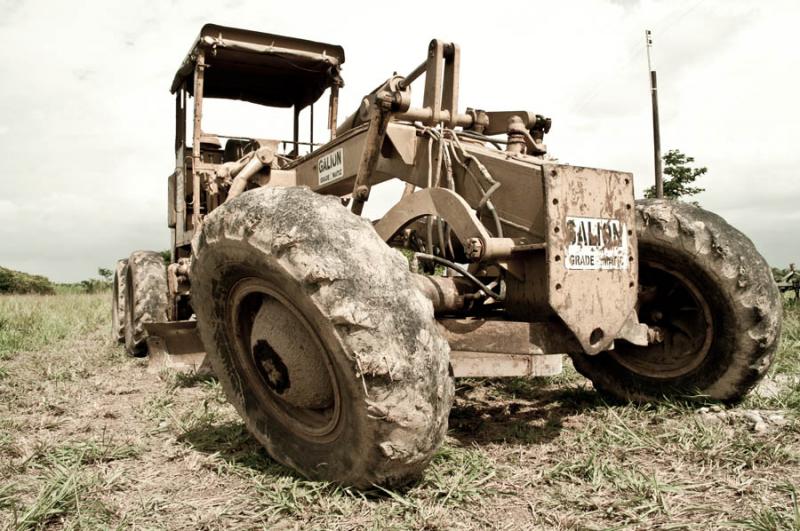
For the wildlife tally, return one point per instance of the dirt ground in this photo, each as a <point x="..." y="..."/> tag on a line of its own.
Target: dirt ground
<point x="89" y="439"/>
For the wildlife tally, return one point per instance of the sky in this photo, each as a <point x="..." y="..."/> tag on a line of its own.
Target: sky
<point x="86" y="118"/>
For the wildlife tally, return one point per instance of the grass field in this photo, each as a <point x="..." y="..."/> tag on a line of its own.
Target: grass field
<point x="89" y="439"/>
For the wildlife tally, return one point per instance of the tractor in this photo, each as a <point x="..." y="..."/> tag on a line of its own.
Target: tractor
<point x="338" y="338"/>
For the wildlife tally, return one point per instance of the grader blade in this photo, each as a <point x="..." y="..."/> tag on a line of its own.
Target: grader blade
<point x="477" y="348"/>
<point x="176" y="346"/>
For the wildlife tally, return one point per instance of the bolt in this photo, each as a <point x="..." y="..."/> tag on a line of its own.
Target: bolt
<point x="655" y="334"/>
<point x="362" y="193"/>
<point x="474" y="248"/>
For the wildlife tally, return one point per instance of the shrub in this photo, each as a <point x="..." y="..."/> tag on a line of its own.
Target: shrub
<point x="17" y="282"/>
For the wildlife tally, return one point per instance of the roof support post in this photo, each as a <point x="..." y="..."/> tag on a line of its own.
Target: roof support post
<point x="199" y="72"/>
<point x="180" y="119"/>
<point x="296" y="134"/>
<point x="333" y="109"/>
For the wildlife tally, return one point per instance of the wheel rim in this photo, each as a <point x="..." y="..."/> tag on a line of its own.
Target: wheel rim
<point x="674" y="304"/>
<point x="283" y="359"/>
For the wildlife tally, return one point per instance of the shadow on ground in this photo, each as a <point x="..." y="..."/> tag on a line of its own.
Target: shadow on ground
<point x="233" y="443"/>
<point x="519" y="411"/>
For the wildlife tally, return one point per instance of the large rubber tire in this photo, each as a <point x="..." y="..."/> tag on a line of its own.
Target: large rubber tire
<point x="712" y="293"/>
<point x="118" y="302"/>
<point x="320" y="339"/>
<point x="146" y="298"/>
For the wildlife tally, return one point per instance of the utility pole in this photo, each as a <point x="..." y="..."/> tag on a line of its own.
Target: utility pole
<point x="656" y="130"/>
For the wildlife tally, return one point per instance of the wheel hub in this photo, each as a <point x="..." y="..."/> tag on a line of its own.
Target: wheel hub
<point x="673" y="305"/>
<point x="288" y="358"/>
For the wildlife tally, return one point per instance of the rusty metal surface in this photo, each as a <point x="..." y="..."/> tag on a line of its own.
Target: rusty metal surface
<point x="495" y="365"/>
<point x="507" y="337"/>
<point x="199" y="75"/>
<point x="176" y="346"/>
<point x="478" y="348"/>
<point x="379" y="120"/>
<point x="438" y="202"/>
<point x="590" y="287"/>
<point x="445" y="293"/>
<point x="492" y="348"/>
<point x="246" y="64"/>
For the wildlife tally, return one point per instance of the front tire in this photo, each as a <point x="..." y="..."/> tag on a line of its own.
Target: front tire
<point x="320" y="339"/>
<point x="708" y="290"/>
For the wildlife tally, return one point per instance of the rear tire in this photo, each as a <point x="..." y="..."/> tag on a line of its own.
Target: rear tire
<point x="710" y="291"/>
<point x="320" y="339"/>
<point x="146" y="298"/>
<point x="118" y="302"/>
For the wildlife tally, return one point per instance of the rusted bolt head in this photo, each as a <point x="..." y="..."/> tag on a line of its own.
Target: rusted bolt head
<point x="362" y="193"/>
<point x="655" y="334"/>
<point x="474" y="248"/>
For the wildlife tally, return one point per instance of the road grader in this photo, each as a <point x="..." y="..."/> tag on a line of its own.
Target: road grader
<point x="337" y="339"/>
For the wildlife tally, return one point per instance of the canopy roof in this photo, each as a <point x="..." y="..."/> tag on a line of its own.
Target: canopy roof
<point x="261" y="68"/>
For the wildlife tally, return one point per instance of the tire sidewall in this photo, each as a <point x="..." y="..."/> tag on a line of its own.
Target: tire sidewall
<point x="130" y="342"/>
<point x="116" y="327"/>
<point x="348" y="451"/>
<point x="730" y="275"/>
<point x="146" y="298"/>
<point x="697" y="270"/>
<point x="118" y="302"/>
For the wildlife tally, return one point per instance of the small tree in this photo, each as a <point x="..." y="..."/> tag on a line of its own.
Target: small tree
<point x="105" y="273"/>
<point x="93" y="285"/>
<point x="680" y="176"/>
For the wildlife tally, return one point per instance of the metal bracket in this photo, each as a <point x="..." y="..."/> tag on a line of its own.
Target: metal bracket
<point x="451" y="207"/>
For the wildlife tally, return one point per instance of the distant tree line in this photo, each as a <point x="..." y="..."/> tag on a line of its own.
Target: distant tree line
<point x="93" y="285"/>
<point x="17" y="282"/>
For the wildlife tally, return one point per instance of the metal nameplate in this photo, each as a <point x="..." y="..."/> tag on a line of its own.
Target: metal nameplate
<point x="596" y="243"/>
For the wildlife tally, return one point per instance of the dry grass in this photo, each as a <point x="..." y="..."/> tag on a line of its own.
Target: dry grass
<point x="89" y="439"/>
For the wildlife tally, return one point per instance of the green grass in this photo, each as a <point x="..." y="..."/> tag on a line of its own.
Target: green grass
<point x="68" y="493"/>
<point x="30" y="322"/>
<point x="775" y="518"/>
<point x="69" y="485"/>
<point x="91" y="451"/>
<point x="520" y="453"/>
<point x="787" y="359"/>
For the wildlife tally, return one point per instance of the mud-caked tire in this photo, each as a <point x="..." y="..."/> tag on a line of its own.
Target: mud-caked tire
<point x="320" y="339"/>
<point x="118" y="302"/>
<point x="711" y="294"/>
<point x="146" y="298"/>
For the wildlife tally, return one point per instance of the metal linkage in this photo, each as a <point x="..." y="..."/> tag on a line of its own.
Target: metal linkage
<point x="487" y="291"/>
<point x="453" y="147"/>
